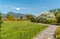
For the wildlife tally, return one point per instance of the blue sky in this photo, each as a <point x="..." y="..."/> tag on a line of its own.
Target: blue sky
<point x="28" y="6"/>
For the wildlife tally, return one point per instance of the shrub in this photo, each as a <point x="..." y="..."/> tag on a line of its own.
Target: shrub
<point x="58" y="33"/>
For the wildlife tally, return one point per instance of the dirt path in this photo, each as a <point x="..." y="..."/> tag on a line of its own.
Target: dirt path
<point x="47" y="33"/>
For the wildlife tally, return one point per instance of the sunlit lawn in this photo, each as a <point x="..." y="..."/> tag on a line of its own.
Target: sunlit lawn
<point x="20" y="29"/>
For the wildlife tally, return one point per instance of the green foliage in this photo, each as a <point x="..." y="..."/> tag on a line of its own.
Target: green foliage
<point x="0" y="19"/>
<point x="20" y="29"/>
<point x="47" y="17"/>
<point x="58" y="33"/>
<point x="21" y="17"/>
<point x="57" y="14"/>
<point x="10" y="17"/>
<point x="0" y="16"/>
<point x="31" y="18"/>
<point x="58" y="17"/>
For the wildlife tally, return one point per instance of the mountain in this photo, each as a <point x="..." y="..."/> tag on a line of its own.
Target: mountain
<point x="3" y="15"/>
<point x="16" y="15"/>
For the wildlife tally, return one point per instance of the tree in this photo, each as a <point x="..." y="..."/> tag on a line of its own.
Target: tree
<point x="0" y="19"/>
<point x="30" y="17"/>
<point x="10" y="17"/>
<point x="57" y="14"/>
<point x="58" y="17"/>
<point x="0" y="16"/>
<point x="21" y="18"/>
<point x="47" y="17"/>
<point x="54" y="11"/>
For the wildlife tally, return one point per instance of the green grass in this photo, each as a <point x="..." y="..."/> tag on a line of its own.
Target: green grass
<point x="20" y="30"/>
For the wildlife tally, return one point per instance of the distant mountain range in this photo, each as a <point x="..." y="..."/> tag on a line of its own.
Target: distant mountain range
<point x="16" y="15"/>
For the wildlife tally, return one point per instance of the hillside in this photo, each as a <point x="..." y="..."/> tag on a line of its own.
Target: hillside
<point x="16" y="15"/>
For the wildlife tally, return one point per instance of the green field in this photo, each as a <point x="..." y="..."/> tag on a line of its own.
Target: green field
<point x="20" y="30"/>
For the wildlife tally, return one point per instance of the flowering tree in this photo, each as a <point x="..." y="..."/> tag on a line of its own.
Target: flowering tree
<point x="47" y="17"/>
<point x="57" y="14"/>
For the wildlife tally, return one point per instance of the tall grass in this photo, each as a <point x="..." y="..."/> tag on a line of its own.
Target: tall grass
<point x="20" y="29"/>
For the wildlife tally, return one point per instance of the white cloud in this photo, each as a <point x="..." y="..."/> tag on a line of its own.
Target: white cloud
<point x="18" y="9"/>
<point x="24" y="9"/>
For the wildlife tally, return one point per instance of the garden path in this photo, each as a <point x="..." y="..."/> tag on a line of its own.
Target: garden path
<point x="47" y="33"/>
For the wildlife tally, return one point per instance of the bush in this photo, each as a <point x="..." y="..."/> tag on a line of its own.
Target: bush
<point x="58" y="38"/>
<point x="58" y="33"/>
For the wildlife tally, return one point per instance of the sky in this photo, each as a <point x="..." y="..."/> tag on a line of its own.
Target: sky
<point x="34" y="7"/>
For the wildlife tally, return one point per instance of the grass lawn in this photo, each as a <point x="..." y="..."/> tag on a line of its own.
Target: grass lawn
<point x="20" y="30"/>
<point x="58" y="33"/>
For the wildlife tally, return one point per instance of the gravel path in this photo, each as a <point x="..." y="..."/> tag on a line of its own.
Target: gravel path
<point x="47" y="33"/>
